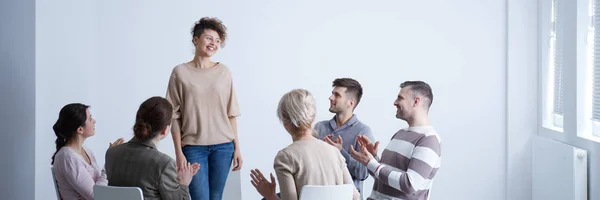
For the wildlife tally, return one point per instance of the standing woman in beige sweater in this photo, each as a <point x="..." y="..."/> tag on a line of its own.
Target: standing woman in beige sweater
<point x="205" y="108"/>
<point x="308" y="160"/>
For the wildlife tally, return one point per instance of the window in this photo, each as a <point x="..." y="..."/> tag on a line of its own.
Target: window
<point x="553" y="115"/>
<point x="557" y="47"/>
<point x="593" y="68"/>
<point x="589" y="52"/>
<point x="570" y="50"/>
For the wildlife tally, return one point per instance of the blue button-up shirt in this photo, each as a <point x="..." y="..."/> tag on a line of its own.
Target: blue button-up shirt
<point x="349" y="133"/>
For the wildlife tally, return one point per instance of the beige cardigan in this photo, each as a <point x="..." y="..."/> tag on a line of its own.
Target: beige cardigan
<point x="310" y="162"/>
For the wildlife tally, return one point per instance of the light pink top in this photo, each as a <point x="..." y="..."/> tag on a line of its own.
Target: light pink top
<point x="75" y="177"/>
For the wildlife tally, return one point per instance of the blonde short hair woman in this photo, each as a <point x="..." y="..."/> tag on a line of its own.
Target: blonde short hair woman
<point x="308" y="160"/>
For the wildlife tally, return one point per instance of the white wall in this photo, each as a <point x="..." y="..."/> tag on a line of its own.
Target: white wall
<point x="522" y="102"/>
<point x="66" y="55"/>
<point x="17" y="91"/>
<point x="130" y="48"/>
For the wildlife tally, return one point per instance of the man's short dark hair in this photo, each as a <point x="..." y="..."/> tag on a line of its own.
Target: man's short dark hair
<point x="420" y="88"/>
<point x="352" y="86"/>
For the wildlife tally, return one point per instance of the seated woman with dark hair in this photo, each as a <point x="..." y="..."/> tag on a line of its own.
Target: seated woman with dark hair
<point x="75" y="167"/>
<point x="138" y="163"/>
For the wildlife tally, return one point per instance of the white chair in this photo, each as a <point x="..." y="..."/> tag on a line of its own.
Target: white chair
<point x="103" y="192"/>
<point x="55" y="183"/>
<point x="329" y="192"/>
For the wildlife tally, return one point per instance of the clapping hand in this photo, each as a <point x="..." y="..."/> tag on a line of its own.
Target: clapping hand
<point x="364" y="141"/>
<point x="363" y="156"/>
<point x="337" y="143"/>
<point x="118" y="142"/>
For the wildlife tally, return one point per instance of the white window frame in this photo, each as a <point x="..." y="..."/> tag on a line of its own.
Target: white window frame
<point x="586" y="127"/>
<point x="550" y="120"/>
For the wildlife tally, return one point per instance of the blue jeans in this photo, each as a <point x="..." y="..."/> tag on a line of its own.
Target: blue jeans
<point x="215" y="164"/>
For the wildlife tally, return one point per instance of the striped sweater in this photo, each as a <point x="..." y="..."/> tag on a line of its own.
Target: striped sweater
<point x="407" y="166"/>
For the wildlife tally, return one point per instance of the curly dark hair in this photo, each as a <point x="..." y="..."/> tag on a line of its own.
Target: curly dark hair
<point x="211" y="23"/>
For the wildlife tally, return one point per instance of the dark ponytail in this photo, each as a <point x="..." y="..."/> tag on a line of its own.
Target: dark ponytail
<point x="61" y="139"/>
<point x="153" y="116"/>
<point x="70" y="118"/>
<point x="142" y="129"/>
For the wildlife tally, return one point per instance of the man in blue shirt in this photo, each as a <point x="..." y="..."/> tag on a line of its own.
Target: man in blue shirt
<point x="344" y="128"/>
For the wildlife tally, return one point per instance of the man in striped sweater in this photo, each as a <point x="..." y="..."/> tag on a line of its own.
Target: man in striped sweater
<point x="410" y="161"/>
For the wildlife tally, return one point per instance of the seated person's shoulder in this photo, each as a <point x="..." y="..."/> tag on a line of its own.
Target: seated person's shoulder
<point x="164" y="157"/>
<point x="63" y="155"/>
<point x="115" y="149"/>
<point x="162" y="161"/>
<point x="282" y="159"/>
<point x="67" y="159"/>
<point x="284" y="152"/>
<point x="154" y="155"/>
<point x="161" y="157"/>
<point x="290" y="153"/>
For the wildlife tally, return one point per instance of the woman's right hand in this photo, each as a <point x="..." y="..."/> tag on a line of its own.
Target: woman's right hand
<point x="118" y="142"/>
<point x="185" y="174"/>
<point x="181" y="160"/>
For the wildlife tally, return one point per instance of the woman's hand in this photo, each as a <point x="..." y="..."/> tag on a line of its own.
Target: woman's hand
<point x="185" y="174"/>
<point x="195" y="168"/>
<point x="118" y="142"/>
<point x="180" y="159"/>
<point x="262" y="185"/>
<point x="237" y="160"/>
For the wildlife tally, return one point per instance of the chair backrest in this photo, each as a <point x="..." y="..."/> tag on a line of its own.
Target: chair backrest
<point x="329" y="192"/>
<point x="55" y="183"/>
<point x="103" y="192"/>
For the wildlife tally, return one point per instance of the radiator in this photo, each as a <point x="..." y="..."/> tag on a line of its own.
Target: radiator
<point x="559" y="171"/>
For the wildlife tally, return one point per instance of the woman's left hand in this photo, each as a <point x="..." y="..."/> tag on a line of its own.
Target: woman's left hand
<point x="262" y="185"/>
<point x="237" y="160"/>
